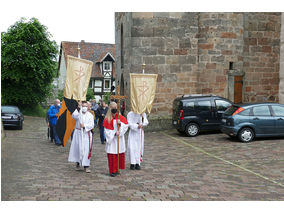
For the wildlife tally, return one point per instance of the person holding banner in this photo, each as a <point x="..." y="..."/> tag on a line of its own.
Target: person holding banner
<point x="111" y="123"/>
<point x="80" y="150"/>
<point x="135" y="148"/>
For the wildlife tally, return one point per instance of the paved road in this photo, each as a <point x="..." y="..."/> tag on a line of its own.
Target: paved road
<point x="208" y="167"/>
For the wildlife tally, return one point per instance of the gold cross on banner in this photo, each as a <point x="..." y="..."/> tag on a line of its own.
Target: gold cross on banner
<point x="143" y="89"/>
<point x="79" y="73"/>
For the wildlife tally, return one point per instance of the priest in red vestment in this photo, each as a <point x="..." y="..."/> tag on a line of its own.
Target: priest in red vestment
<point x="111" y="132"/>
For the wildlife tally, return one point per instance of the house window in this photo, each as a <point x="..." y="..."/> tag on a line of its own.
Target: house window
<point x="98" y="83"/>
<point x="107" y="85"/>
<point x="98" y="86"/>
<point x="107" y="66"/>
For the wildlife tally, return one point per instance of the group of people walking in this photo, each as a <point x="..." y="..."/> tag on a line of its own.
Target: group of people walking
<point x="113" y="128"/>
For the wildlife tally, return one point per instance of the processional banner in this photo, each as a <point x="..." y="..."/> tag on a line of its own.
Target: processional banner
<point x="142" y="92"/>
<point x="76" y="86"/>
<point x="77" y="78"/>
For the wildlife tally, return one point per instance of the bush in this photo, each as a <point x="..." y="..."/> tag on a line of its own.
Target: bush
<point x="107" y="97"/>
<point x="37" y="111"/>
<point x="90" y="94"/>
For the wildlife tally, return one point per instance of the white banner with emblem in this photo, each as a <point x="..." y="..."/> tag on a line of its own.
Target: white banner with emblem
<point x="142" y="91"/>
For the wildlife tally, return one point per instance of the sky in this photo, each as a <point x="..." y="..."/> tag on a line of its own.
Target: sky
<point x="93" y="20"/>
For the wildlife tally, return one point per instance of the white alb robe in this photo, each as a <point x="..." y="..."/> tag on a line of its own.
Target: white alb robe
<point x="135" y="148"/>
<point x="79" y="149"/>
<point x="111" y="138"/>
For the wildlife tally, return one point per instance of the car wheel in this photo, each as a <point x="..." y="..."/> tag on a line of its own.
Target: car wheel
<point x="192" y="129"/>
<point x="246" y="135"/>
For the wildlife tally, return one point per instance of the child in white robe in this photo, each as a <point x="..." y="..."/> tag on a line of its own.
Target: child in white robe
<point x="80" y="150"/>
<point x="135" y="148"/>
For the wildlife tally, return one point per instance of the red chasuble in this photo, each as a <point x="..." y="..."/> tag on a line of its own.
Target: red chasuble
<point x="108" y="125"/>
<point x="112" y="158"/>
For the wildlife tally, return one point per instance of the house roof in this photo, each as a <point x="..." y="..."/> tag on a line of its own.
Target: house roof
<point x="95" y="52"/>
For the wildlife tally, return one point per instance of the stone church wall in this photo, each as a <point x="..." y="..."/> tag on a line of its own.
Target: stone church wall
<point x="261" y="56"/>
<point x="200" y="53"/>
<point x="281" y="85"/>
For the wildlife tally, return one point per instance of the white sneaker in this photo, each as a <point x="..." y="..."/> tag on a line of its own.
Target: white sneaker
<point x="88" y="170"/>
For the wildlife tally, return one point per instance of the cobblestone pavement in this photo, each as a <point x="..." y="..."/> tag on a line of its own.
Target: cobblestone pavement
<point x="175" y="167"/>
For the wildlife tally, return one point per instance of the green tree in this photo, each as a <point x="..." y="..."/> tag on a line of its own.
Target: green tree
<point x="28" y="63"/>
<point x="106" y="97"/>
<point x="90" y="94"/>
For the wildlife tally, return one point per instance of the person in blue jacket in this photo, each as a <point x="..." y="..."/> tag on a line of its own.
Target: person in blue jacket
<point x="52" y="114"/>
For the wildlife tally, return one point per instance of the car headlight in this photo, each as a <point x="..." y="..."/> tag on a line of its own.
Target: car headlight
<point x="14" y="116"/>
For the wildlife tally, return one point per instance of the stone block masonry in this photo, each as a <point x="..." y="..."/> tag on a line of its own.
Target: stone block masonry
<point x="281" y="75"/>
<point x="198" y="52"/>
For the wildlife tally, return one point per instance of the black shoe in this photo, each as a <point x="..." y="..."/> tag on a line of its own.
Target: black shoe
<point x="112" y="174"/>
<point x="132" y="166"/>
<point x="137" y="167"/>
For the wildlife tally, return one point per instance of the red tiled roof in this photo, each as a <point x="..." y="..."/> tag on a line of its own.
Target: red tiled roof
<point x="103" y="55"/>
<point x="94" y="52"/>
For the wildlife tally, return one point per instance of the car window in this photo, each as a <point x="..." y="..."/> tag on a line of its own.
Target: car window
<point x="245" y="112"/>
<point x="222" y="105"/>
<point x="204" y="105"/>
<point x="261" y="111"/>
<point x="231" y="110"/>
<point x="278" y="110"/>
<point x="189" y="105"/>
<point x="8" y="109"/>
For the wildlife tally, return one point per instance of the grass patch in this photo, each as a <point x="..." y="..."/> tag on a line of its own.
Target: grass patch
<point x="37" y="111"/>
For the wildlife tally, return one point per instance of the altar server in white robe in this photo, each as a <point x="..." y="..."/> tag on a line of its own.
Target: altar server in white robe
<point x="111" y="132"/>
<point x="80" y="150"/>
<point x="135" y="148"/>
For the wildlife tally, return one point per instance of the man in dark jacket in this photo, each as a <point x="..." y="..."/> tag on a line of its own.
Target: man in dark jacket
<point x="53" y="114"/>
<point x="101" y="113"/>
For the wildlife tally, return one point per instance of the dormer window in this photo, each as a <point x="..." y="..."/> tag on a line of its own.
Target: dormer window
<point x="107" y="66"/>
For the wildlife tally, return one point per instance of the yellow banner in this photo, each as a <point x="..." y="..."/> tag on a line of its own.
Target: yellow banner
<point x="142" y="92"/>
<point x="77" y="78"/>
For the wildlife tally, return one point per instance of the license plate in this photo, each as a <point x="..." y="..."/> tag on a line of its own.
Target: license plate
<point x="175" y="122"/>
<point x="224" y="120"/>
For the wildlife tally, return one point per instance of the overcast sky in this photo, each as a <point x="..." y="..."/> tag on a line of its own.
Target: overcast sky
<point x="93" y="20"/>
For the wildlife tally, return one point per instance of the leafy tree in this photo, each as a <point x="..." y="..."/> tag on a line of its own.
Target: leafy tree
<point x="28" y="63"/>
<point x="90" y="94"/>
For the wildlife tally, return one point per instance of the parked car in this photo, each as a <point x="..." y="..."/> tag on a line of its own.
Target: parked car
<point x="248" y="121"/>
<point x="12" y="116"/>
<point x="194" y="113"/>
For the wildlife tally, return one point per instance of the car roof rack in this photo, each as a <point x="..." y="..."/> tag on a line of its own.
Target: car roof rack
<point x="196" y="95"/>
